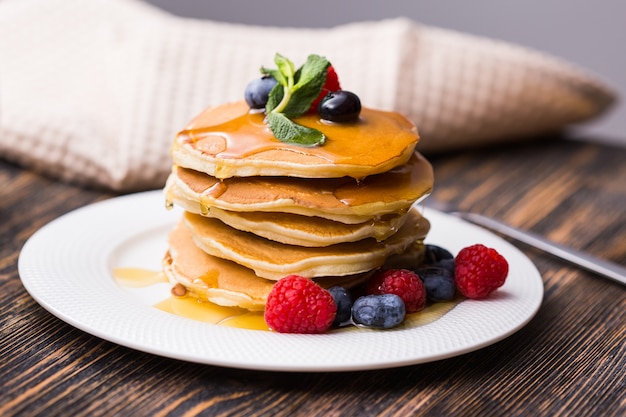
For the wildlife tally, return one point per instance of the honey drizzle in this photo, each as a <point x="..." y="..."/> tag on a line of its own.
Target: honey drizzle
<point x="207" y="312"/>
<point x="231" y="131"/>
<point x="138" y="277"/>
<point x="238" y="138"/>
<point x="215" y="190"/>
<point x="398" y="187"/>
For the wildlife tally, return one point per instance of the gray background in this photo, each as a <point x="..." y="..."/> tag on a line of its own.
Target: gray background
<point x="591" y="34"/>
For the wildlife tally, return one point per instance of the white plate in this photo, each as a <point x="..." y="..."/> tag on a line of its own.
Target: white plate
<point x="67" y="268"/>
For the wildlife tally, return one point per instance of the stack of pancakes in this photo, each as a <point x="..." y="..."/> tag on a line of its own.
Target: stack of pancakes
<point x="258" y="209"/>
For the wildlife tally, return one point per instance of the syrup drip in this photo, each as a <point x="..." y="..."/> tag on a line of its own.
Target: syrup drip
<point x="236" y="138"/>
<point x="138" y="277"/>
<point x="211" y="193"/>
<point x="216" y="190"/>
<point x="169" y="199"/>
<point x="430" y="314"/>
<point x="402" y="185"/>
<point x="207" y="312"/>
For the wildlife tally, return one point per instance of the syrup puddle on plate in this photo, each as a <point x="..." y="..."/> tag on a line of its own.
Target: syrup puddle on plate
<point x="207" y="312"/>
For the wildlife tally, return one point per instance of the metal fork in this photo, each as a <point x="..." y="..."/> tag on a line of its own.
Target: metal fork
<point x="583" y="260"/>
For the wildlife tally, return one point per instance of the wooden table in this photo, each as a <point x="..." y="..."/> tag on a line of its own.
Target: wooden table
<point x="569" y="360"/>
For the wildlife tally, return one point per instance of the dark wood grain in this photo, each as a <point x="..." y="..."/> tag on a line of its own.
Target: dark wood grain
<point x="569" y="360"/>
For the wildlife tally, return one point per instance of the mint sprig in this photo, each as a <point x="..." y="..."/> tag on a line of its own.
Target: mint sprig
<point x="292" y="97"/>
<point x="287" y="131"/>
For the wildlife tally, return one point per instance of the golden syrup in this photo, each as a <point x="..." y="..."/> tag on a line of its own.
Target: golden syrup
<point x="192" y="308"/>
<point x="400" y="186"/>
<point x="138" y="277"/>
<point x="231" y="131"/>
<point x="215" y="190"/>
<point x="252" y="320"/>
<point x="207" y="312"/>
<point x="403" y="184"/>
<point x="430" y="314"/>
<point x="169" y="196"/>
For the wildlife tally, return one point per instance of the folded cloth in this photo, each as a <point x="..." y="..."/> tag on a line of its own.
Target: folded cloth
<point x="93" y="91"/>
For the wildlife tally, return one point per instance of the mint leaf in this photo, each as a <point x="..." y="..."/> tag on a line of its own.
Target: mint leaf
<point x="300" y="102"/>
<point x="287" y="131"/>
<point x="278" y="76"/>
<point x="311" y="77"/>
<point x="285" y="66"/>
<point x="274" y="98"/>
<point x="292" y="97"/>
<point x="299" y="88"/>
<point x="312" y="73"/>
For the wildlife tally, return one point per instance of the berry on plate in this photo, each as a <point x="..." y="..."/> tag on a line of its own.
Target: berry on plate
<point x="439" y="283"/>
<point x="479" y="271"/>
<point x="434" y="254"/>
<point x="299" y="305"/>
<point x="343" y="300"/>
<point x="401" y="282"/>
<point x="382" y="311"/>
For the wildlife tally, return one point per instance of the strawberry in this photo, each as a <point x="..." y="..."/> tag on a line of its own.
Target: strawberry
<point x="331" y="85"/>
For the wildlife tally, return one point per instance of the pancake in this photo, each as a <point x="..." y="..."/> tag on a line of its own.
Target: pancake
<point x="293" y="229"/>
<point x="231" y="141"/>
<point x="340" y="199"/>
<point x="212" y="279"/>
<point x="223" y="282"/>
<point x="273" y="260"/>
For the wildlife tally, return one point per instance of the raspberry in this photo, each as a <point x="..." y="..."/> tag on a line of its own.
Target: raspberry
<point x="403" y="283"/>
<point x="298" y="305"/>
<point x="479" y="271"/>
<point x="331" y="84"/>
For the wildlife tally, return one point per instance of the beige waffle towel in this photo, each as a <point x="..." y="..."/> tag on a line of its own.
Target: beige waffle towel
<point x="94" y="91"/>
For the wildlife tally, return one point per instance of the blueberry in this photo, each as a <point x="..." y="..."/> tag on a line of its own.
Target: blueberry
<point x="344" y="305"/>
<point x="434" y="253"/>
<point x="257" y="91"/>
<point x="438" y="282"/>
<point x="340" y="106"/>
<point x="447" y="264"/>
<point x="379" y="311"/>
<point x="433" y="270"/>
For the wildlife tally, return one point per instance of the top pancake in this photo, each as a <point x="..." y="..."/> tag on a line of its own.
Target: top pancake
<point x="230" y="140"/>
